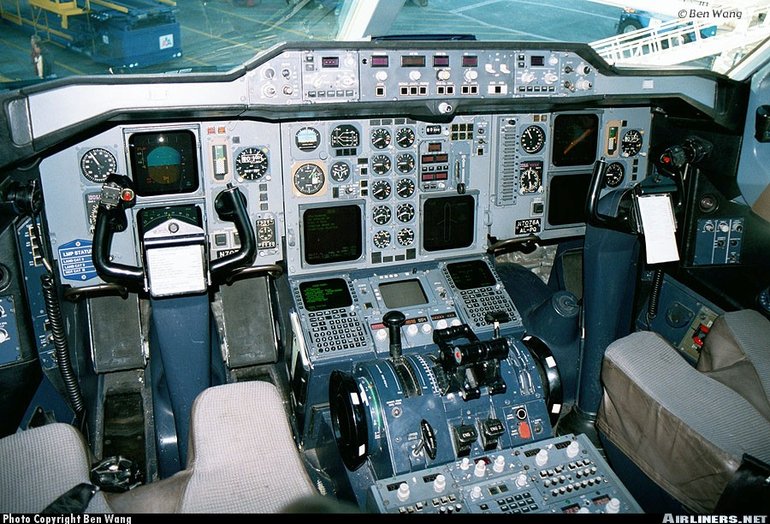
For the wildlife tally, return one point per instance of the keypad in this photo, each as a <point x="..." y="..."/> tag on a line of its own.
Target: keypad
<point x="480" y="301"/>
<point x="336" y="330"/>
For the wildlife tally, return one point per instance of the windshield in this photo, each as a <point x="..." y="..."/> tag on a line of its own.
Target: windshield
<point x="47" y="40"/>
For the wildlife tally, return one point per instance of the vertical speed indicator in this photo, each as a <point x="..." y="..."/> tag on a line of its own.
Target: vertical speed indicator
<point x="533" y="139"/>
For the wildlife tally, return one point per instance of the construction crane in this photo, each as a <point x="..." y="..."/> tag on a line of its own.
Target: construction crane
<point x="722" y="34"/>
<point x="118" y="33"/>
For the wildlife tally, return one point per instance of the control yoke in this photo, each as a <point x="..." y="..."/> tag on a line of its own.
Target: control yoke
<point x="595" y="218"/>
<point x="230" y="205"/>
<point x="118" y="195"/>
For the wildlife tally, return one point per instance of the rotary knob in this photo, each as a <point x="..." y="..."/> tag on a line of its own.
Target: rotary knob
<point x="471" y="75"/>
<point x="480" y="469"/>
<point x="499" y="464"/>
<point x="541" y="459"/>
<point x="381" y="76"/>
<point x="521" y="480"/>
<point x="414" y="76"/>
<point x="439" y="483"/>
<point x="403" y="492"/>
<point x="443" y="74"/>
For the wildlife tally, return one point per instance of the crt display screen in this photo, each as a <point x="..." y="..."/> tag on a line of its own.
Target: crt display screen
<point x="449" y="222"/>
<point x="567" y="199"/>
<point x="164" y="163"/>
<point x="574" y="139"/>
<point x="471" y="274"/>
<point x="403" y="294"/>
<point x="332" y="234"/>
<point x="325" y="294"/>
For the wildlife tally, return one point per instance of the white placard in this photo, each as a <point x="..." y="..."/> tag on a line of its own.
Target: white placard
<point x="658" y="226"/>
<point x="176" y="270"/>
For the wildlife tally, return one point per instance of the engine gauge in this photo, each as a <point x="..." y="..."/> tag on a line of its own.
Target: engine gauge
<point x="405" y="187"/>
<point x="346" y="136"/>
<point x="405" y="212"/>
<point x="309" y="179"/>
<point x="381" y="189"/>
<point x="405" y="237"/>
<point x="381" y="215"/>
<point x="530" y="180"/>
<point x="381" y="164"/>
<point x="97" y="163"/>
<point x="405" y="162"/>
<point x="614" y="174"/>
<point x="307" y="139"/>
<point x="381" y="239"/>
<point x="251" y="163"/>
<point x="340" y="171"/>
<point x="405" y="137"/>
<point x="380" y="138"/>
<point x="533" y="139"/>
<point x="631" y="143"/>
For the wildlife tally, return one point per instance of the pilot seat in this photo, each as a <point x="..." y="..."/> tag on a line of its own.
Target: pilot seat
<point x="242" y="460"/>
<point x="688" y="428"/>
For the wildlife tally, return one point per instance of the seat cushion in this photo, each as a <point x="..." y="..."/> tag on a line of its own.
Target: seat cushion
<point x="39" y="465"/>
<point x="737" y="354"/>
<point x="243" y="459"/>
<point x="683" y="429"/>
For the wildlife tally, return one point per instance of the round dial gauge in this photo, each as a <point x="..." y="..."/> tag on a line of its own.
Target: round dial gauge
<point x="631" y="143"/>
<point x="381" y="239"/>
<point x="405" y="212"/>
<point x="309" y="179"/>
<point x="340" y="171"/>
<point x="381" y="215"/>
<point x="614" y="174"/>
<point x="307" y="139"/>
<point x="381" y="189"/>
<point x="405" y="187"/>
<point x="345" y="135"/>
<point x="405" y="162"/>
<point x="533" y="139"/>
<point x="405" y="137"/>
<point x="381" y="164"/>
<point x="530" y="181"/>
<point x="405" y="237"/>
<point x="380" y="138"/>
<point x="251" y="163"/>
<point x="97" y="163"/>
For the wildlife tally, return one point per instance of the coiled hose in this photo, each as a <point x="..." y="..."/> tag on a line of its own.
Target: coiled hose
<point x="652" y="306"/>
<point x="53" y="310"/>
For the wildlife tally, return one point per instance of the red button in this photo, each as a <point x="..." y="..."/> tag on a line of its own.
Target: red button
<point x="524" y="431"/>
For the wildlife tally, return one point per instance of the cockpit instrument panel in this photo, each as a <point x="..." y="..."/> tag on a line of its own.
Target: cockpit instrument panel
<point x="394" y="190"/>
<point x="173" y="167"/>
